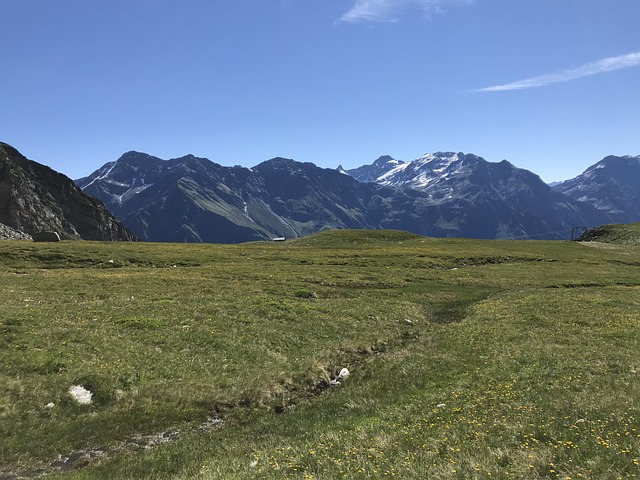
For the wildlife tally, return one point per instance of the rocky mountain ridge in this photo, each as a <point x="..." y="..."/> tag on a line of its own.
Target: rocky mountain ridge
<point x="194" y="199"/>
<point x="612" y="186"/>
<point x="35" y="198"/>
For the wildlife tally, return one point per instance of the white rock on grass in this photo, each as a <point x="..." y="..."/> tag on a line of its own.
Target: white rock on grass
<point x="344" y="373"/>
<point x="80" y="394"/>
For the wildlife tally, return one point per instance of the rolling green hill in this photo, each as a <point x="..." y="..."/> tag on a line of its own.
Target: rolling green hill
<point x="468" y="359"/>
<point x="621" y="234"/>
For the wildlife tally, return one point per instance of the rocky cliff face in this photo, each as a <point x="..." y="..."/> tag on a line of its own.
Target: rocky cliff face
<point x="8" y="233"/>
<point x="34" y="198"/>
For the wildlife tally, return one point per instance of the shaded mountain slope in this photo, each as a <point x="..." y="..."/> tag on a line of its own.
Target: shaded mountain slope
<point x="194" y="199"/>
<point x="612" y="186"/>
<point x="34" y="198"/>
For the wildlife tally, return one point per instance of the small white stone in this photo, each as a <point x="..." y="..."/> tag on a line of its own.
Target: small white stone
<point x="50" y="405"/>
<point x="441" y="405"/>
<point x="80" y="394"/>
<point x="344" y="373"/>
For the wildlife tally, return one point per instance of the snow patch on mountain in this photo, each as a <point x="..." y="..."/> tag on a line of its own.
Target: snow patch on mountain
<point x="102" y="173"/>
<point x="394" y="171"/>
<point x="422" y="172"/>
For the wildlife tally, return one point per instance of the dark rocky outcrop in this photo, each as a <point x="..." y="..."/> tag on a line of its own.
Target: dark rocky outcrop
<point x="35" y="198"/>
<point x="46" y="237"/>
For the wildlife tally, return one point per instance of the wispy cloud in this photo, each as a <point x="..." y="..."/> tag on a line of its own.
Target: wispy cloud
<point x="389" y="10"/>
<point x="594" y="68"/>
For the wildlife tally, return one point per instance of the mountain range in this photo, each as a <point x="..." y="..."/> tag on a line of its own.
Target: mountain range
<point x="191" y="199"/>
<point x="445" y="194"/>
<point x="495" y="200"/>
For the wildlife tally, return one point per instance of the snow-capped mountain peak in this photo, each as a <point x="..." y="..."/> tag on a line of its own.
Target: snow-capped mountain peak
<point x="440" y="157"/>
<point x="378" y="169"/>
<point x="399" y="167"/>
<point x="424" y="171"/>
<point x="418" y="174"/>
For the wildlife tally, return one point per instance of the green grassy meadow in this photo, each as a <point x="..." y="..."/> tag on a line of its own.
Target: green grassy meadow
<point x="468" y="358"/>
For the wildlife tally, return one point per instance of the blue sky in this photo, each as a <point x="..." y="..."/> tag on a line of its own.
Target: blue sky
<point x="550" y="85"/>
